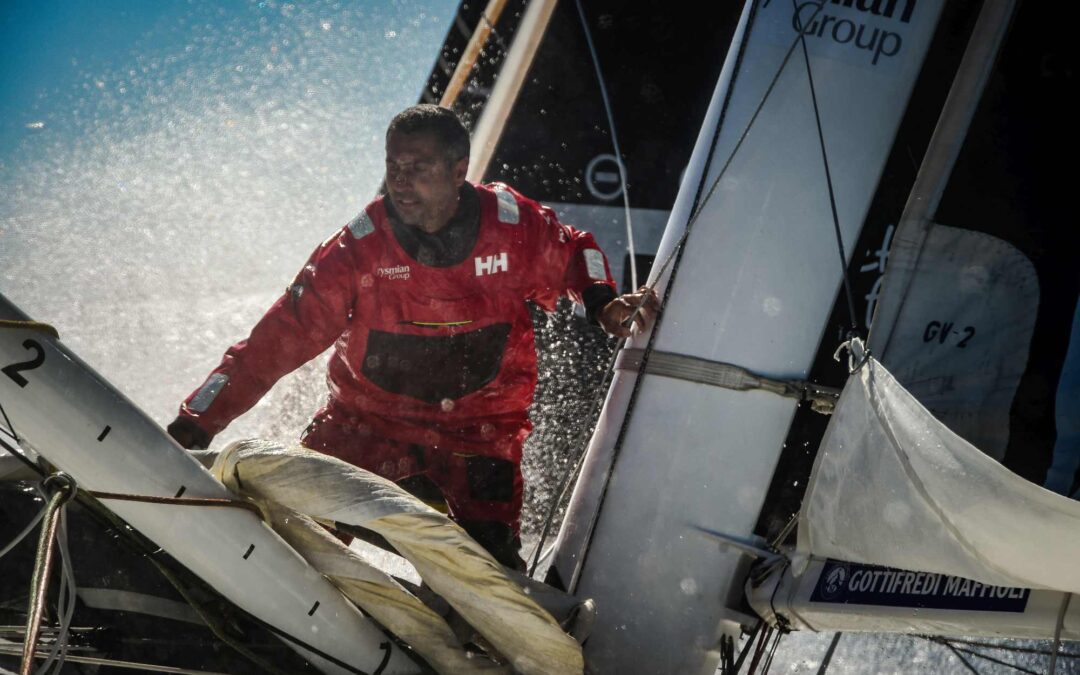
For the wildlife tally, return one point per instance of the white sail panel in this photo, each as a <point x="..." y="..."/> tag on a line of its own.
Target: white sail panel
<point x="894" y="486"/>
<point x="961" y="355"/>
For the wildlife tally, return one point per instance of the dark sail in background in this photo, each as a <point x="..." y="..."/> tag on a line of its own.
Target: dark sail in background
<point x="660" y="68"/>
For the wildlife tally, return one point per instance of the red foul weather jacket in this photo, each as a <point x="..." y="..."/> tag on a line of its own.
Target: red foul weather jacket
<point x="439" y="356"/>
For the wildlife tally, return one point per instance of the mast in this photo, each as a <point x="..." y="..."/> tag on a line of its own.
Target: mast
<point x="479" y="38"/>
<point x="518" y="60"/>
<point x="937" y="166"/>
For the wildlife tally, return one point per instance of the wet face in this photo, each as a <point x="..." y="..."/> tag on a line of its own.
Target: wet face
<point x="421" y="182"/>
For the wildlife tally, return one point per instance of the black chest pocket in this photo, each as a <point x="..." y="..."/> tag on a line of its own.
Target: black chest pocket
<point x="436" y="367"/>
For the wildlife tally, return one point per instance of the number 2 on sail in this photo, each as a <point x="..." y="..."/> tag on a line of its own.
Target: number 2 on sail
<point x="14" y="370"/>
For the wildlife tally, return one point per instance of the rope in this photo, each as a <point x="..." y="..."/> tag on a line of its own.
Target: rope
<point x="30" y="325"/>
<point x="772" y="653"/>
<point x="26" y="530"/>
<point x="614" y="143"/>
<point x="62" y="488"/>
<point x="143" y="547"/>
<point x="66" y="604"/>
<point x="109" y="519"/>
<point x="759" y="650"/>
<point x="828" y="173"/>
<point x="179" y="501"/>
<point x="745" y="651"/>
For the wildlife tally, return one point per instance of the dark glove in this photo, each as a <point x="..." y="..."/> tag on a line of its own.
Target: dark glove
<point x="188" y="434"/>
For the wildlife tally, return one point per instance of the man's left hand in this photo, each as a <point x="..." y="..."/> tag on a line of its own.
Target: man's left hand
<point x="615" y="317"/>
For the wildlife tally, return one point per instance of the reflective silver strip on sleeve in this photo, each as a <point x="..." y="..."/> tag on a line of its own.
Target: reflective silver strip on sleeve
<point x="361" y="225"/>
<point x="208" y="392"/>
<point x="508" y="207"/>
<point x="594" y="263"/>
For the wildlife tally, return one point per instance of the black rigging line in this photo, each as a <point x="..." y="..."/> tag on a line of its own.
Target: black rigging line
<point x="699" y="201"/>
<point x="270" y="627"/>
<point x="1004" y="648"/>
<point x="10" y="430"/>
<point x="964" y="661"/>
<point x="971" y="652"/>
<point x="828" y="174"/>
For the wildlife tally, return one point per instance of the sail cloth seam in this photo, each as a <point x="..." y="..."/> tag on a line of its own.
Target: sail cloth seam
<point x="614" y="143"/>
<point x="913" y="477"/>
<point x="727" y="376"/>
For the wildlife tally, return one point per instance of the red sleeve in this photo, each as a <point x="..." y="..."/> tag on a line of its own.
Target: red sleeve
<point x="308" y="318"/>
<point x="567" y="261"/>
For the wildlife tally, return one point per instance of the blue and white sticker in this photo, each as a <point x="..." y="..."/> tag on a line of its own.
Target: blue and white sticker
<point x="508" y="207"/>
<point x="208" y="392"/>
<point x="853" y="583"/>
<point x="594" y="264"/>
<point x="361" y="225"/>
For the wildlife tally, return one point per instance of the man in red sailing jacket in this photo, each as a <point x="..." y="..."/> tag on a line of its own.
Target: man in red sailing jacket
<point x="423" y="296"/>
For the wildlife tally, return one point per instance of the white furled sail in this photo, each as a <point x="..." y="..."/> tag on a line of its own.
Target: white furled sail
<point x="894" y="486"/>
<point x="288" y="481"/>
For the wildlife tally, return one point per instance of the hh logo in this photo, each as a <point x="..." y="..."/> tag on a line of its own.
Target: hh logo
<point x="491" y="264"/>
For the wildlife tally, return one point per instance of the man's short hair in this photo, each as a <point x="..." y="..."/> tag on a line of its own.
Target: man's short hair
<point x="442" y="123"/>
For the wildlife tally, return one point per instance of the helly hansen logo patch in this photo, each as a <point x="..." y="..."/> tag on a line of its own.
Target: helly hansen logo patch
<point x="491" y="264"/>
